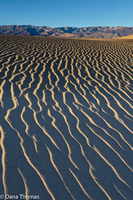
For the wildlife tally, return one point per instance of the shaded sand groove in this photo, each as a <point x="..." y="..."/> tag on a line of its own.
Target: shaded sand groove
<point x="66" y="118"/>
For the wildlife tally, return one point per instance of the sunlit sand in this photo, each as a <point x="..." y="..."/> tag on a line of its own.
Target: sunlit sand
<point x="66" y="118"/>
<point x="126" y="37"/>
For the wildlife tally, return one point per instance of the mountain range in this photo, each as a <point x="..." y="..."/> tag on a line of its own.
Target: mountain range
<point x="67" y="32"/>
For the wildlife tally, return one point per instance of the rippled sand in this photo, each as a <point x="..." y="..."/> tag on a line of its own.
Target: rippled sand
<point x="66" y="118"/>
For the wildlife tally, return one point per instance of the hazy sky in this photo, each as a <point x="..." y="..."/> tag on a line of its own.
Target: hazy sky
<point x="76" y="13"/>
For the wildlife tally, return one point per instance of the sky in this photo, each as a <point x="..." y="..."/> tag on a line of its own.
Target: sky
<point x="68" y="13"/>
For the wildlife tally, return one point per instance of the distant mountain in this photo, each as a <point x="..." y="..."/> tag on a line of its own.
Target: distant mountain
<point x="67" y="32"/>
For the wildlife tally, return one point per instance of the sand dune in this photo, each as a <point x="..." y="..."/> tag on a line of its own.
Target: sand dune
<point x="126" y="37"/>
<point x="66" y="118"/>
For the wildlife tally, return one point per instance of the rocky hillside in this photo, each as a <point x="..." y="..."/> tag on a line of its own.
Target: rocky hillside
<point x="69" y="32"/>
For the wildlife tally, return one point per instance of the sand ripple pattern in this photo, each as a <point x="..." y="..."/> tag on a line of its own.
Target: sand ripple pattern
<point x="66" y="118"/>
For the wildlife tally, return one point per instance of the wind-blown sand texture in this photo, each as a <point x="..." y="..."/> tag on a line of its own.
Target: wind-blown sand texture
<point x="66" y="118"/>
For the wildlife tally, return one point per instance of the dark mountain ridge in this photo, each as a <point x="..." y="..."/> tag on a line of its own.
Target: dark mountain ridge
<point x="68" y="32"/>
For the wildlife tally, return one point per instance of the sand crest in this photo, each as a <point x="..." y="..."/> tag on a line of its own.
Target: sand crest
<point x="66" y="118"/>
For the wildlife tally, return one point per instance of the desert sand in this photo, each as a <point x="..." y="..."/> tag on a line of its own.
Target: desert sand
<point x="66" y="118"/>
<point x="126" y="37"/>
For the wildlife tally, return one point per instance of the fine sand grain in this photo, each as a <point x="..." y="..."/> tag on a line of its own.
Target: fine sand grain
<point x="66" y="118"/>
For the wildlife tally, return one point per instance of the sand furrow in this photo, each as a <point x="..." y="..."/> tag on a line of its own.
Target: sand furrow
<point x="3" y="159"/>
<point x="66" y="115"/>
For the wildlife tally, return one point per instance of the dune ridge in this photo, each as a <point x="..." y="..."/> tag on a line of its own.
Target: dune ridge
<point x="66" y="118"/>
<point x="126" y="37"/>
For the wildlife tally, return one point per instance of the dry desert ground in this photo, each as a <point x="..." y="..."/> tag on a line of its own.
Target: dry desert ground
<point x="66" y="118"/>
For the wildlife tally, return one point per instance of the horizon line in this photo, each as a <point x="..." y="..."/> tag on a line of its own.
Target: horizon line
<point x="63" y="26"/>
